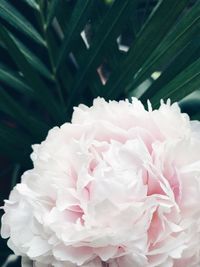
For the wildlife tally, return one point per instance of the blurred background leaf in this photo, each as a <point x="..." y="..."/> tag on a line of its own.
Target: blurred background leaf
<point x="57" y="54"/>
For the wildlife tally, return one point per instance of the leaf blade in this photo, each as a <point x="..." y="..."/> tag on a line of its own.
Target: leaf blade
<point x="52" y="10"/>
<point x="106" y="33"/>
<point x="75" y="25"/>
<point x="141" y="50"/>
<point x="32" y="3"/>
<point x="14" y="80"/>
<point x="10" y="14"/>
<point x="12" y="108"/>
<point x="190" y="53"/>
<point x="184" y="31"/>
<point x="42" y="92"/>
<point x="182" y="85"/>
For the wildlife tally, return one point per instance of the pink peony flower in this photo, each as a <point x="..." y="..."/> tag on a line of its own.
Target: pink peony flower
<point x="117" y="187"/>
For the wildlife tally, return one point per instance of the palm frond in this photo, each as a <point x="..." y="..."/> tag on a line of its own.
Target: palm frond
<point x="57" y="54"/>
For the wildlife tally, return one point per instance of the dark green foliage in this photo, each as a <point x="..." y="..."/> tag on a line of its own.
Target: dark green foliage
<point x="47" y="67"/>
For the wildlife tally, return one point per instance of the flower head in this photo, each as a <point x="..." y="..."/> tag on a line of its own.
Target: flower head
<point x="117" y="187"/>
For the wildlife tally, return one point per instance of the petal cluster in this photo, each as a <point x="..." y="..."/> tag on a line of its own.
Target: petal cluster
<point x="119" y="186"/>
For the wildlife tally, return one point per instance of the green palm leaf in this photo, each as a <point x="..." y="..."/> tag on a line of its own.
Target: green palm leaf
<point x="57" y="54"/>
<point x="17" y="20"/>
